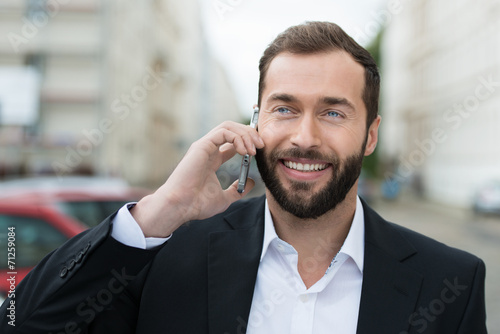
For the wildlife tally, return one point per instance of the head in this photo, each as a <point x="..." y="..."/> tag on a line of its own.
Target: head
<point x="319" y="37"/>
<point x="318" y="95"/>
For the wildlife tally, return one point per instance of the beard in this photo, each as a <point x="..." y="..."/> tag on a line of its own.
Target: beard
<point x="298" y="200"/>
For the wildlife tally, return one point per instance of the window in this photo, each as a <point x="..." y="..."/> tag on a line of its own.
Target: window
<point x="91" y="213"/>
<point x="35" y="238"/>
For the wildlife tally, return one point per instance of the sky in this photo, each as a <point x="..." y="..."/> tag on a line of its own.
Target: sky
<point x="238" y="31"/>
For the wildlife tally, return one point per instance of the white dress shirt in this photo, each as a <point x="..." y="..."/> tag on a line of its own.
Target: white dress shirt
<point x="281" y="302"/>
<point x="127" y="231"/>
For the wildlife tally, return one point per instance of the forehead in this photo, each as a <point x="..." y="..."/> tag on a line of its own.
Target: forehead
<point x="333" y="73"/>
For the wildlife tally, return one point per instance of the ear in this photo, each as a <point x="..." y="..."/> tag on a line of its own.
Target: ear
<point x="371" y="141"/>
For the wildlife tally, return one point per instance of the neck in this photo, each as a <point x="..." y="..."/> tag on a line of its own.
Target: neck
<point x="316" y="241"/>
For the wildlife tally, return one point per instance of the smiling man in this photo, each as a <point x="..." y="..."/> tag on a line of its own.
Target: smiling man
<point x="314" y="124"/>
<point x="308" y="257"/>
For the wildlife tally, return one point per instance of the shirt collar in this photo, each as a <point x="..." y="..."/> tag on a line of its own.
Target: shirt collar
<point x="269" y="231"/>
<point x="354" y="244"/>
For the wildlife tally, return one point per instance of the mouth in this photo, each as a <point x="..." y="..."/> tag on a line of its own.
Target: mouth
<point x="303" y="166"/>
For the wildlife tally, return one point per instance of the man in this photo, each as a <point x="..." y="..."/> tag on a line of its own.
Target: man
<point x="310" y="257"/>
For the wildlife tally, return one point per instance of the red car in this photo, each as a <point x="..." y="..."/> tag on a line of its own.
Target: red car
<point x="35" y="220"/>
<point x="88" y="206"/>
<point x="28" y="232"/>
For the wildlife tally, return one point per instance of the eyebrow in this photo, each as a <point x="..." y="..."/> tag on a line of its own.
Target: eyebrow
<point x="328" y="100"/>
<point x="282" y="97"/>
<point x="337" y="101"/>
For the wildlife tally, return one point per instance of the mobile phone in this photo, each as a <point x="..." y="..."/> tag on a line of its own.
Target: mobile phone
<point x="245" y="162"/>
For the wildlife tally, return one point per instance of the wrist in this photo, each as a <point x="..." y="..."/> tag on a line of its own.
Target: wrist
<point x="157" y="219"/>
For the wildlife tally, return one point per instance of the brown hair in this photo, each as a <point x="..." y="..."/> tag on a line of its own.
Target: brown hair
<point x="316" y="37"/>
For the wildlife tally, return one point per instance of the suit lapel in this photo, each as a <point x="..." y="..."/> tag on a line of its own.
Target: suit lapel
<point x="390" y="288"/>
<point x="233" y="261"/>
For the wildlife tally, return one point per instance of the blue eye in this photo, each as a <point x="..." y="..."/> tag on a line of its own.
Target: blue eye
<point x="283" y="110"/>
<point x="334" y="114"/>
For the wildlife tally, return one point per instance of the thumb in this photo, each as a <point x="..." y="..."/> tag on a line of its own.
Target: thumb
<point x="232" y="193"/>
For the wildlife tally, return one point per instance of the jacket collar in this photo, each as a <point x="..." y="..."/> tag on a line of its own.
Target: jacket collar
<point x="233" y="261"/>
<point x="390" y="288"/>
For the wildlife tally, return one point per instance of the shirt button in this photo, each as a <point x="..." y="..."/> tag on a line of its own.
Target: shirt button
<point x="304" y="298"/>
<point x="281" y="247"/>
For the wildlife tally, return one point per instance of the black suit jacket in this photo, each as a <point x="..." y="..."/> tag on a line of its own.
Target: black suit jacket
<point x="202" y="281"/>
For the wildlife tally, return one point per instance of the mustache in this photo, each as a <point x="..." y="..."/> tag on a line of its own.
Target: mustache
<point x="299" y="153"/>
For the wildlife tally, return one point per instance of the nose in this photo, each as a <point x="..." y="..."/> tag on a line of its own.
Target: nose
<point x="306" y="133"/>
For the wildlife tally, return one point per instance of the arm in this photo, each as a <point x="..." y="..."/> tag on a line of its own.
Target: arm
<point x="82" y="276"/>
<point x="68" y="292"/>
<point x="193" y="191"/>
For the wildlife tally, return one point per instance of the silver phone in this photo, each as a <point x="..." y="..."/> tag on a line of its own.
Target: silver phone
<point x="247" y="159"/>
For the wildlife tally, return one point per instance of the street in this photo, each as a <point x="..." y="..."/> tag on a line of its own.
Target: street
<point x="458" y="228"/>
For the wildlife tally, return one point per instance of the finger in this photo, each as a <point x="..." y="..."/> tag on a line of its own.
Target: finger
<point x="228" y="151"/>
<point x="249" y="144"/>
<point x="242" y="130"/>
<point x="244" y="138"/>
<point x="226" y="146"/>
<point x="240" y="147"/>
<point x="223" y="136"/>
<point x="232" y="195"/>
<point x="252" y="140"/>
<point x="259" y="143"/>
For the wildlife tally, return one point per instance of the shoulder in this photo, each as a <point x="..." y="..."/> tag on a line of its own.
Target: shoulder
<point x="441" y="277"/>
<point x="434" y="251"/>
<point x="241" y="214"/>
<point x="416" y="249"/>
<point x="188" y="248"/>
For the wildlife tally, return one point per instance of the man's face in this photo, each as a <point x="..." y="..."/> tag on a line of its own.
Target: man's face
<point x="313" y="123"/>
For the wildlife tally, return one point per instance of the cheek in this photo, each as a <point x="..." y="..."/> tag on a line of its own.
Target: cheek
<point x="267" y="134"/>
<point x="351" y="136"/>
<point x="270" y="129"/>
<point x="345" y="140"/>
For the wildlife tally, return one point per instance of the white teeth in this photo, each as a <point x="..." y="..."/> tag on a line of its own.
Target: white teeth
<point x="304" y="167"/>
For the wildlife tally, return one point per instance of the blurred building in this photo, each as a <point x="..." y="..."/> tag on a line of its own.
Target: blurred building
<point x="441" y="97"/>
<point x="116" y="87"/>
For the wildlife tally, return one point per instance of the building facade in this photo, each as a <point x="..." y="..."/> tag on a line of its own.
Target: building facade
<point x="441" y="97"/>
<point x="123" y="87"/>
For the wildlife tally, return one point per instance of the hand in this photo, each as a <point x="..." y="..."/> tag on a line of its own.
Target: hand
<point x="193" y="191"/>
